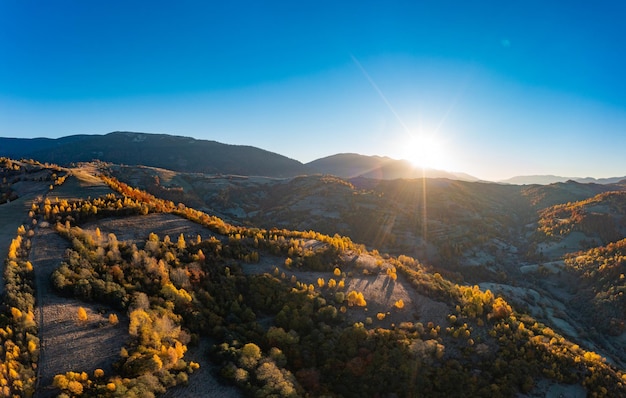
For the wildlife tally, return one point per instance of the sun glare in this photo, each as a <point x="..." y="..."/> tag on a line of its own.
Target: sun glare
<point x="425" y="151"/>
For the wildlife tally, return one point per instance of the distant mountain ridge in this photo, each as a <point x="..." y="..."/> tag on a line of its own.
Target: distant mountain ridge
<point x="552" y="179"/>
<point x="158" y="150"/>
<point x="350" y="165"/>
<point x="187" y="154"/>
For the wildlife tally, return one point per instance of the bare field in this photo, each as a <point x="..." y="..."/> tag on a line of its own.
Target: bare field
<point x="79" y="185"/>
<point x="136" y="229"/>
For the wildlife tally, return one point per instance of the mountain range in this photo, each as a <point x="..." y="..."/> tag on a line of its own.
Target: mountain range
<point x="551" y="179"/>
<point x="311" y="285"/>
<point x="187" y="154"/>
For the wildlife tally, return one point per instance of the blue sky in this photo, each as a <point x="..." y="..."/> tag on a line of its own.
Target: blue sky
<point x="497" y="88"/>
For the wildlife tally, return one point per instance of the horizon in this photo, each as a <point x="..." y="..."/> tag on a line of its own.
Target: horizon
<point x="415" y="167"/>
<point x="463" y="88"/>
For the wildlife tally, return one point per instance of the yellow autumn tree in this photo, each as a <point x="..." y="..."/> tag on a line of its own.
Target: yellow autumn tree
<point x="181" y="242"/>
<point x="356" y="298"/>
<point x="82" y="314"/>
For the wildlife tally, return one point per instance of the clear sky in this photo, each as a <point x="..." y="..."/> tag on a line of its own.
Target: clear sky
<point x="490" y="88"/>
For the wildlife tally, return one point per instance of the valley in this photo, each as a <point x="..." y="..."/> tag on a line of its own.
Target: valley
<point x="308" y="285"/>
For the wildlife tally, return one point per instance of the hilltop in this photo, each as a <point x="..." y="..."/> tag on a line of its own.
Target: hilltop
<point x="158" y="150"/>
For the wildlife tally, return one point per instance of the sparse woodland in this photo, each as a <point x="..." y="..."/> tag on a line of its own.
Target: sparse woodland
<point x="271" y="333"/>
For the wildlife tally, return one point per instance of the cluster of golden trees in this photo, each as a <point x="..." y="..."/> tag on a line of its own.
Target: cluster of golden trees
<point x="19" y="344"/>
<point x="557" y="221"/>
<point x="151" y="286"/>
<point x="601" y="278"/>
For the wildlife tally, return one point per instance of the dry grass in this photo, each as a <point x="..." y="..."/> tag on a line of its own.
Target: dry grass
<point x="136" y="229"/>
<point x="79" y="185"/>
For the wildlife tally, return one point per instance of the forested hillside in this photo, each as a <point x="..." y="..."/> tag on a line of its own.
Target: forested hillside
<point x="282" y="312"/>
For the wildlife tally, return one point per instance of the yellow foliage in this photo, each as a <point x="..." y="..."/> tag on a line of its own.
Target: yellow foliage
<point x="82" y="314"/>
<point x="337" y="271"/>
<point x="75" y="387"/>
<point x="16" y="313"/>
<point x="181" y="242"/>
<point x="157" y="361"/>
<point x="32" y="346"/>
<point x="320" y="282"/>
<point x="137" y="318"/>
<point x="500" y="309"/>
<point x="14" y="247"/>
<point x="380" y="316"/>
<point x="332" y="283"/>
<point x="111" y="387"/>
<point x="356" y="298"/>
<point x="60" y="381"/>
<point x="98" y="373"/>
<point x="170" y="292"/>
<point x="113" y="320"/>
<point x="399" y="304"/>
<point x="593" y="357"/>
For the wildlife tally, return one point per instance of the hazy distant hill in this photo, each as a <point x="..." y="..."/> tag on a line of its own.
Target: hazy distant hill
<point x="350" y="165"/>
<point x="542" y="196"/>
<point x="551" y="179"/>
<point x="191" y="155"/>
<point x="159" y="150"/>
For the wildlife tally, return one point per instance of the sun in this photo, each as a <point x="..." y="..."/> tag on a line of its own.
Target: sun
<point x="426" y="151"/>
